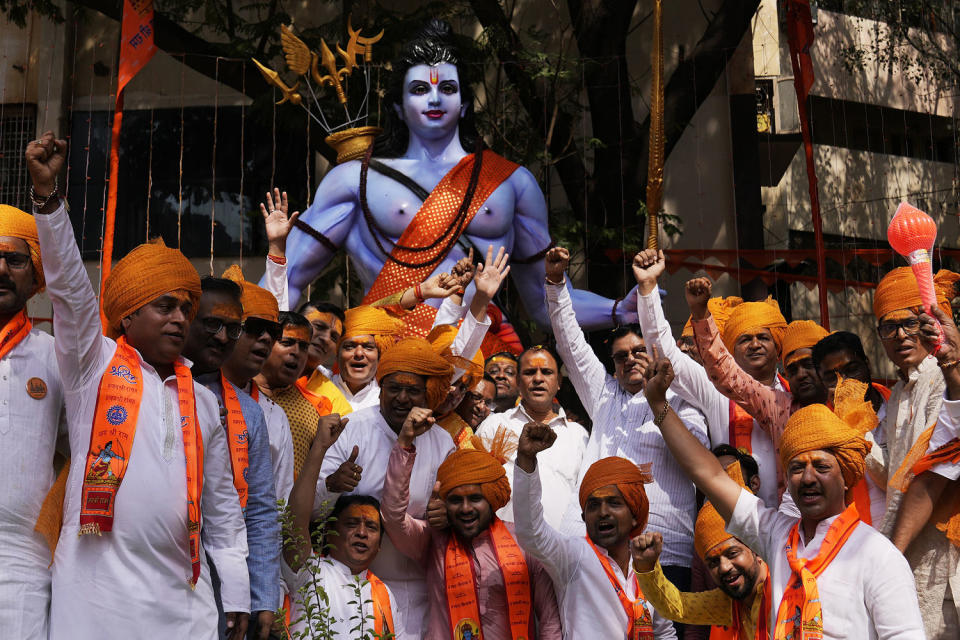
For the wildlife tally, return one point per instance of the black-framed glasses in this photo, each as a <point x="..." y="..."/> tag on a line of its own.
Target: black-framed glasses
<point x="889" y="330"/>
<point x="213" y="326"/>
<point x="621" y="356"/>
<point x="15" y="259"/>
<point x="258" y="326"/>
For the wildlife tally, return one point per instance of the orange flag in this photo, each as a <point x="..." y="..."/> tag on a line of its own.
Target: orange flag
<point x="136" y="48"/>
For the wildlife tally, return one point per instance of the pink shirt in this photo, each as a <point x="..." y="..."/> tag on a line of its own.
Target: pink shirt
<point x="417" y="540"/>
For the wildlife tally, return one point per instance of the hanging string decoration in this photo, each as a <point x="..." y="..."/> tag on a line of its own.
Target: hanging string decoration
<point x="351" y="138"/>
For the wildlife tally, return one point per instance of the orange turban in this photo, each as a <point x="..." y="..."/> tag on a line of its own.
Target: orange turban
<point x="473" y="466"/>
<point x="441" y="337"/>
<point x="146" y="273"/>
<point x="367" y="320"/>
<point x="416" y="355"/>
<point x="720" y="310"/>
<point x="750" y="317"/>
<point x="20" y="224"/>
<point x="898" y="290"/>
<point x="801" y="334"/>
<point x="710" y="529"/>
<point x="257" y="302"/>
<point x="629" y="479"/>
<point x="840" y="431"/>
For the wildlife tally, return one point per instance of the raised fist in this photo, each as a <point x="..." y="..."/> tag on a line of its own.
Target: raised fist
<point x="556" y="262"/>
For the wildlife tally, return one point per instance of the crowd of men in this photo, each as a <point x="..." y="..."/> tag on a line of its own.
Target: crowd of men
<point x="229" y="468"/>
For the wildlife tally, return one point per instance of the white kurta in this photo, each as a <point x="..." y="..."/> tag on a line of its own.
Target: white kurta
<point x="368" y="396"/>
<point x="281" y="446"/>
<point x="589" y="606"/>
<point x="368" y="431"/>
<point x="560" y="464"/>
<point x="866" y="592"/>
<point x="340" y="587"/>
<point x="29" y="427"/>
<point x="134" y="579"/>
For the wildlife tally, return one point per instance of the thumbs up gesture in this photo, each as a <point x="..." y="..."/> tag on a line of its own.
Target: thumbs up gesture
<point x="437" y="509"/>
<point x="347" y="476"/>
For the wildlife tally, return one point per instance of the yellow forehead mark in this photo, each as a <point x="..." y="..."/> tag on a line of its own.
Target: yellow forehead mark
<point x="406" y="379"/>
<point x="298" y="333"/>
<point x="539" y="360"/>
<point x="181" y="295"/>
<point x="10" y="246"/>
<point x="329" y="319"/>
<point x="502" y="360"/>
<point x="361" y="511"/>
<point x="227" y="311"/>
<point x="606" y="492"/>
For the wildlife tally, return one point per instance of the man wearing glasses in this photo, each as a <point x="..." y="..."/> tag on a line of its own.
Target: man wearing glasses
<point x="912" y="417"/>
<point x="623" y="422"/>
<point x="212" y="336"/>
<point x="31" y="418"/>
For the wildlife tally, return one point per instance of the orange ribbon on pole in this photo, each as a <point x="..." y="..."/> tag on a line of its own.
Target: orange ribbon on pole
<point x="136" y="48"/>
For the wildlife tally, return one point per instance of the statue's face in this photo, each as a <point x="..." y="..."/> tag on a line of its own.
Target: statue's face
<point x="432" y="102"/>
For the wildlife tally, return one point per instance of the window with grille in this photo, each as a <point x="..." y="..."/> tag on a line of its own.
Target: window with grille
<point x="18" y="125"/>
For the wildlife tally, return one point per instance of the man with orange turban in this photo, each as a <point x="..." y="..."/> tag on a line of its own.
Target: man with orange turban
<point x="739" y="608"/>
<point x="477" y="554"/>
<point x="597" y="590"/>
<point x="752" y="332"/>
<point x="413" y="380"/>
<point x="150" y="467"/>
<point x="261" y="330"/>
<point x="823" y="565"/>
<point x="910" y="423"/>
<point x="32" y="397"/>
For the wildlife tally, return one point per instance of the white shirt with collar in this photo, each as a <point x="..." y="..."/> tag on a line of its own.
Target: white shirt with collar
<point x="867" y="592"/>
<point x="135" y="577"/>
<point x="373" y="437"/>
<point x="560" y="464"/>
<point x="367" y="396"/>
<point x="589" y="606"/>
<point x="623" y="426"/>
<point x="31" y="420"/>
<point x="340" y="587"/>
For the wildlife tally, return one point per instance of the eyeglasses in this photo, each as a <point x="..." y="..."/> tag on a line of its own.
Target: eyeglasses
<point x="15" y="259"/>
<point x="621" y="356"/>
<point x="213" y="326"/>
<point x="889" y="330"/>
<point x="258" y="326"/>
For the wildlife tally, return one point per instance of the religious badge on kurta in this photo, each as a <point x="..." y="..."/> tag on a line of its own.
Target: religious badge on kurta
<point x="36" y="388"/>
<point x="467" y="629"/>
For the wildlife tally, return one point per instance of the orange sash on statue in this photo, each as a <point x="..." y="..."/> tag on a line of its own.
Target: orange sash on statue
<point x="800" y="616"/>
<point x="640" y="625"/>
<point x="382" y="614"/>
<point x="462" y="601"/>
<point x="14" y="332"/>
<point x="736" y="631"/>
<point x="111" y="441"/>
<point x="436" y="215"/>
<point x="237" y="436"/>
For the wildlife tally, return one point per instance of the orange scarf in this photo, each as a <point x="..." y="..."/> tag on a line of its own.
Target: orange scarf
<point x="462" y="585"/>
<point x="741" y="423"/>
<point x="640" y="625"/>
<point x="237" y="436"/>
<point x="382" y="615"/>
<point x="111" y="441"/>
<point x="947" y="513"/>
<point x="14" y="332"/>
<point x="800" y="616"/>
<point x="321" y="403"/>
<point x="735" y="630"/>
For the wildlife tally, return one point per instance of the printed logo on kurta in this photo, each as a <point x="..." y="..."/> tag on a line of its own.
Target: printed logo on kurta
<point x="36" y="388"/>
<point x="243" y="437"/>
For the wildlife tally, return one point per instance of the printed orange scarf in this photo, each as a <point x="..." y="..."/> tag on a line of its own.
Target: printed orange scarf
<point x="111" y="441"/>
<point x="14" y="332"/>
<point x="462" y="601"/>
<point x="800" y="616"/>
<point x="382" y="614"/>
<point x="237" y="436"/>
<point x="640" y="625"/>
